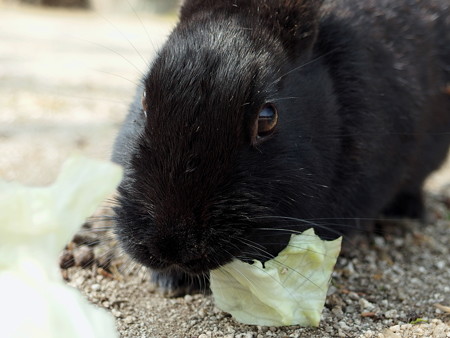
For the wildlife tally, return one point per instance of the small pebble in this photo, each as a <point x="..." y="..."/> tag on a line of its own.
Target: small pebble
<point x="353" y="295"/>
<point x="395" y="328"/>
<point x="337" y="312"/>
<point x="262" y="328"/>
<point x="391" y="314"/>
<point x="129" y="320"/>
<point x="341" y="333"/>
<point x="331" y="290"/>
<point x="365" y="304"/>
<point x="83" y="256"/>
<point x="350" y="309"/>
<point x="116" y="313"/>
<point x="389" y="334"/>
<point x="66" y="260"/>
<point x="85" y="238"/>
<point x="440" y="265"/>
<point x="379" y="241"/>
<point x="103" y="256"/>
<point x="343" y="325"/>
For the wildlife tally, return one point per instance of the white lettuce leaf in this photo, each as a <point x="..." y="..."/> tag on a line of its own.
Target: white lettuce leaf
<point x="35" y="225"/>
<point x="289" y="289"/>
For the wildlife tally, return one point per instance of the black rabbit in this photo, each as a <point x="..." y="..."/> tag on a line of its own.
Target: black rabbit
<point x="265" y="117"/>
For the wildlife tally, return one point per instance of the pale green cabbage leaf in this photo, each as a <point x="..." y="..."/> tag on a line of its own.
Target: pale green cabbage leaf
<point x="289" y="289"/>
<point x="35" y="224"/>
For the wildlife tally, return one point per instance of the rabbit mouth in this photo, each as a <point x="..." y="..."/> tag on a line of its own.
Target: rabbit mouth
<point x="193" y="267"/>
<point x="196" y="265"/>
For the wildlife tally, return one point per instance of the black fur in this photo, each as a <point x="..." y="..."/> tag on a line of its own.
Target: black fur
<point x="364" y="117"/>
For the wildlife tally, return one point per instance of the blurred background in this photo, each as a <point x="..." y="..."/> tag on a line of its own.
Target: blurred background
<point x="155" y="6"/>
<point x="68" y="70"/>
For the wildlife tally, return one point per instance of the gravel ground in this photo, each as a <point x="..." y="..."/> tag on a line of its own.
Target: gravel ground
<point x="395" y="285"/>
<point x="65" y="82"/>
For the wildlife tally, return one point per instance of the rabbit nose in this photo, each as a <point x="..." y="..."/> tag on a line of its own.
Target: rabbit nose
<point x="179" y="251"/>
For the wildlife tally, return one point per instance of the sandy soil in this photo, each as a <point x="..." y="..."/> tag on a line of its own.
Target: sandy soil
<point x="65" y="82"/>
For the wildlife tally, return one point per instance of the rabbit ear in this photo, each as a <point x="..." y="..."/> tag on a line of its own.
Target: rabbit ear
<point x="295" y="22"/>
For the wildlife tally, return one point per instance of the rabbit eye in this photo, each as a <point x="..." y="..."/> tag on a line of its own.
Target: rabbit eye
<point x="267" y="120"/>
<point x="144" y="103"/>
